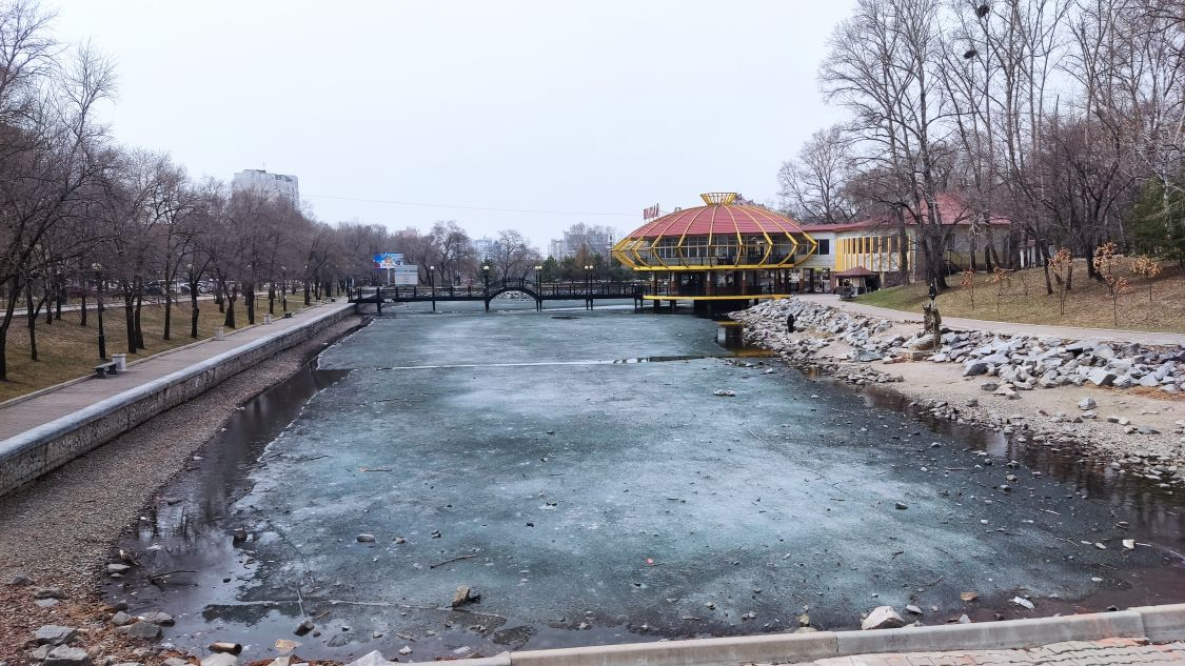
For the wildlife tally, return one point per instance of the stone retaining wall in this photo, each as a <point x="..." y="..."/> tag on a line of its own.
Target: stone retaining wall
<point x="37" y="451"/>
<point x="1153" y="623"/>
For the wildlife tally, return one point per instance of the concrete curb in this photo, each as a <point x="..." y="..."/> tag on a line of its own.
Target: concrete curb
<point x="1158" y="624"/>
<point x="36" y="451"/>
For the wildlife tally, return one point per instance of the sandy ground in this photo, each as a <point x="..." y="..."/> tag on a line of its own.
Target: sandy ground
<point x="59" y="530"/>
<point x="927" y="382"/>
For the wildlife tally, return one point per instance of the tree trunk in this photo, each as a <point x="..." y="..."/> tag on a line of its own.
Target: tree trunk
<point x="129" y="318"/>
<point x="271" y="298"/>
<point x="82" y="306"/>
<point x="229" y="320"/>
<point x="219" y="287"/>
<point x="249" y="301"/>
<point x="168" y="309"/>
<point x="14" y="291"/>
<point x="307" y="300"/>
<point x="193" y="302"/>
<point x="31" y="319"/>
<point x="139" y="328"/>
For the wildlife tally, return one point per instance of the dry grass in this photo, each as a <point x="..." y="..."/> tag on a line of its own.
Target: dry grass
<point x="67" y="350"/>
<point x="1022" y="298"/>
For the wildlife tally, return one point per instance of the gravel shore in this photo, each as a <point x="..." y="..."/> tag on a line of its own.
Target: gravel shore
<point x="1138" y="429"/>
<point x="59" y="530"/>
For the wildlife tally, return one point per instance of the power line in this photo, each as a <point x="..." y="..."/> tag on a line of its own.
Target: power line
<point x="489" y="208"/>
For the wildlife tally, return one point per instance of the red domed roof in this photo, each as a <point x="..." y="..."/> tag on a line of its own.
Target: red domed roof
<point x="717" y="219"/>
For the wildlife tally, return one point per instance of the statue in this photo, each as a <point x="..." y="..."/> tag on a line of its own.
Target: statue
<point x="932" y="325"/>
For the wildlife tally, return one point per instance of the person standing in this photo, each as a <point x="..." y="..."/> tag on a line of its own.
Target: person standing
<point x="790" y="323"/>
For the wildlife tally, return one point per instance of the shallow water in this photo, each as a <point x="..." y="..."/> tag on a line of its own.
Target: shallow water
<point x="580" y="472"/>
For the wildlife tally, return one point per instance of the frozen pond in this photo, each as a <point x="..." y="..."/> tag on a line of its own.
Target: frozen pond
<point x="592" y="497"/>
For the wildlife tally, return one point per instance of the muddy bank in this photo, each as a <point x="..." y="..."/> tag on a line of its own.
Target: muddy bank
<point x="60" y="529"/>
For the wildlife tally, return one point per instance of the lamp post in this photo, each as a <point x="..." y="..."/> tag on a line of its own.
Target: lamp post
<point x="97" y="268"/>
<point x="538" y="288"/>
<point x="432" y="286"/>
<point x="588" y="285"/>
<point x="485" y="270"/>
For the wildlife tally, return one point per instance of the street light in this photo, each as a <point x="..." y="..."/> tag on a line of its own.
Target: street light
<point x="97" y="268"/>
<point x="432" y="285"/>
<point x="485" y="269"/>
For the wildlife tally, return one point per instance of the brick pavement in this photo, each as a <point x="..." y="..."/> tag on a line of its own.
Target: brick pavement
<point x="18" y="416"/>
<point x="1109" y="652"/>
<point x="1011" y="328"/>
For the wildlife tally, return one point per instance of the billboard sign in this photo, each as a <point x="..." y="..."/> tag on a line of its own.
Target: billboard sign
<point x="388" y="260"/>
<point x="405" y="276"/>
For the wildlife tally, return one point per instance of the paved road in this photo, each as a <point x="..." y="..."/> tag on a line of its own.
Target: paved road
<point x="19" y="415"/>
<point x="1097" y="653"/>
<point x="1012" y="328"/>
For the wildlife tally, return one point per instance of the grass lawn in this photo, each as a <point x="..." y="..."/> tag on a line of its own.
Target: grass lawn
<point x="1022" y="299"/>
<point x="67" y="350"/>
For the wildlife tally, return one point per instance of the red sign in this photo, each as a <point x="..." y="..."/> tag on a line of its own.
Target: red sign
<point x="650" y="213"/>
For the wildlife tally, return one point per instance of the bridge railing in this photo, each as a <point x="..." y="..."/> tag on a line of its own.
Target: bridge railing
<point x="575" y="289"/>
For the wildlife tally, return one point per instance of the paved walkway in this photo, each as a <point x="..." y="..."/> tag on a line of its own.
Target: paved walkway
<point x="1011" y="328"/>
<point x="1097" y="653"/>
<point x="19" y="415"/>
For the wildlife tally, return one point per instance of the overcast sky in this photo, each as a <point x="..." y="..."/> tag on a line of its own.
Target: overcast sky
<point x="573" y="107"/>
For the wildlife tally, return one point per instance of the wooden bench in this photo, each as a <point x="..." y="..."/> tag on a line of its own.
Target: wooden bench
<point x="105" y="369"/>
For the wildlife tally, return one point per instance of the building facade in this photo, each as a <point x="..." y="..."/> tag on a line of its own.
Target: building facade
<point x="284" y="187"/>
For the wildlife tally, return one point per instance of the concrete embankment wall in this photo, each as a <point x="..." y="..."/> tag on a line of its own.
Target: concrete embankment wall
<point x="37" y="451"/>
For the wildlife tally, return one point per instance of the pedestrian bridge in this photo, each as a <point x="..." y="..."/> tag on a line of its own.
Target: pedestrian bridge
<point x="587" y="291"/>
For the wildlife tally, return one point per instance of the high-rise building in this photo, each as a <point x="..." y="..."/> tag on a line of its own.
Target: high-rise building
<point x="581" y="239"/>
<point x="272" y="185"/>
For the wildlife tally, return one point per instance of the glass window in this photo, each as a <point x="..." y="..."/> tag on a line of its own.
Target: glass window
<point x="825" y="246"/>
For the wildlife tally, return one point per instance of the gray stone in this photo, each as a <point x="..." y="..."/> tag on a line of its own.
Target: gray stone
<point x="973" y="368"/>
<point x="996" y="359"/>
<point x="141" y="631"/>
<point x="54" y="634"/>
<point x="64" y="655"/>
<point x="1149" y="380"/>
<point x="120" y="618"/>
<point x="163" y="619"/>
<point x="366" y="538"/>
<point x="17" y="579"/>
<point x="989" y="386"/>
<point x="175" y="661"/>
<point x="372" y="659"/>
<point x="48" y="593"/>
<point x="465" y="595"/>
<point x="913" y="609"/>
<point x="220" y="659"/>
<point x="1101" y="377"/>
<point x="882" y="617"/>
<point x="867" y="355"/>
<point x="1087" y="404"/>
<point x="118" y="569"/>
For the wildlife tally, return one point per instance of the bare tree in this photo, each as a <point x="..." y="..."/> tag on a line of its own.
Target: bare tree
<point x="814" y="187"/>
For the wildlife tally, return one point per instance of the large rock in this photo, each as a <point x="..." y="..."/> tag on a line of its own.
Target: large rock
<point x="141" y="631"/>
<point x="54" y="634"/>
<point x="1101" y="377"/>
<point x="867" y="355"/>
<point x="1087" y="404"/>
<point x="221" y="659"/>
<point x="372" y="659"/>
<point x="882" y="617"/>
<point x="465" y="595"/>
<point x="974" y="367"/>
<point x="64" y="655"/>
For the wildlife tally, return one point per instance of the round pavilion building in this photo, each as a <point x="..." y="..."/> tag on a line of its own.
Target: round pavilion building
<point x="721" y="255"/>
